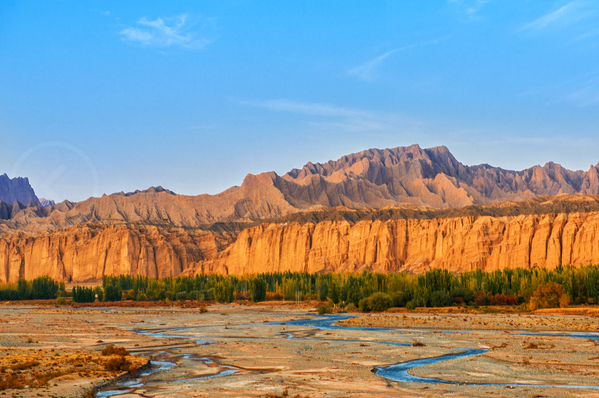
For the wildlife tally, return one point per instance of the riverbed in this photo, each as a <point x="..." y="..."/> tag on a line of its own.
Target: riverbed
<point x="251" y="351"/>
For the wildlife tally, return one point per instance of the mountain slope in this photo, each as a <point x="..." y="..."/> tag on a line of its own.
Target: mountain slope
<point x="16" y="189"/>
<point x="373" y="178"/>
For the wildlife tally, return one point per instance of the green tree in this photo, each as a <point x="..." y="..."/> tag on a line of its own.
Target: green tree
<point x="258" y="290"/>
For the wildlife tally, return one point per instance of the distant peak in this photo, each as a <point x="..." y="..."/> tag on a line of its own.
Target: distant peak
<point x="151" y="190"/>
<point x="46" y="202"/>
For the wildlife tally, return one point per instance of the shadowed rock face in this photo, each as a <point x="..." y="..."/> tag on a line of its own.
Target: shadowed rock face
<point x="16" y="189"/>
<point x="424" y="177"/>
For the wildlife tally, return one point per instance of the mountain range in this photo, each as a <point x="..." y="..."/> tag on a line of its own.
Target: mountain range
<point x="373" y="178"/>
<point x="400" y="209"/>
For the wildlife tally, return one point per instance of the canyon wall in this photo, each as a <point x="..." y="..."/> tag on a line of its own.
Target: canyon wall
<point x="89" y="251"/>
<point x="456" y="244"/>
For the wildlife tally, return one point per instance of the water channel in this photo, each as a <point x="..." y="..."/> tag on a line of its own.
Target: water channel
<point x="398" y="372"/>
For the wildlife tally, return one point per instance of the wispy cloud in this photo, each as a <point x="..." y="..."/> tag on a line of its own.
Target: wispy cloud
<point x="367" y="71"/>
<point x="337" y="117"/>
<point x="315" y="109"/>
<point x="167" y="32"/>
<point x="580" y="91"/>
<point x="587" y="94"/>
<point x="201" y="127"/>
<point x="565" y="15"/>
<point x="469" y="9"/>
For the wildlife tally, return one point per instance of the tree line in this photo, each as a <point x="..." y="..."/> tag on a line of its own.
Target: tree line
<point x="366" y="290"/>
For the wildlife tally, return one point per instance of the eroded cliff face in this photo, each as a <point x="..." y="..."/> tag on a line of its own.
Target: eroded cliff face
<point x="89" y="251"/>
<point x="457" y="244"/>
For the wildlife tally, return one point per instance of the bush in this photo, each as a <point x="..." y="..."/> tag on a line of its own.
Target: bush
<point x="61" y="300"/>
<point x="142" y="297"/>
<point x="324" y="309"/>
<point x="194" y="295"/>
<point x="462" y="293"/>
<point x="273" y="296"/>
<point x="481" y="299"/>
<point x="399" y="299"/>
<point x="209" y="294"/>
<point x="411" y="305"/>
<point x="440" y="299"/>
<point x="112" y="350"/>
<point x="551" y="295"/>
<point x="203" y="309"/>
<point x="459" y="301"/>
<point x="501" y="299"/>
<point x="181" y="296"/>
<point x="118" y="363"/>
<point x="350" y="307"/>
<point x="364" y="305"/>
<point x="380" y="302"/>
<point x="9" y="294"/>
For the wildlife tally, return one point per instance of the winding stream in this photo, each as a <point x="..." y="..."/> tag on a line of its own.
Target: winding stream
<point x="398" y="372"/>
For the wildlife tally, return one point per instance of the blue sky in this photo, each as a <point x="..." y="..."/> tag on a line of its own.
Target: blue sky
<point x="106" y="96"/>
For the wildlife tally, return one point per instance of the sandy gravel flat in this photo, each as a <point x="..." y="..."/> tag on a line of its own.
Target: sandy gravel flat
<point x="252" y="343"/>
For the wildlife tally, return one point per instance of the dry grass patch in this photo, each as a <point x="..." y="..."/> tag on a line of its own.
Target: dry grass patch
<point x="38" y="368"/>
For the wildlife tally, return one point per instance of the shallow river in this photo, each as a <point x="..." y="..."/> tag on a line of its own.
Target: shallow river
<point x="398" y="372"/>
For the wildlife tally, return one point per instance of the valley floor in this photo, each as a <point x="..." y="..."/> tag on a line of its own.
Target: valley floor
<point x="253" y="351"/>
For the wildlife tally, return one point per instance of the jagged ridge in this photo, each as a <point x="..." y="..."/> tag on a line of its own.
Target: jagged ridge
<point x="373" y="178"/>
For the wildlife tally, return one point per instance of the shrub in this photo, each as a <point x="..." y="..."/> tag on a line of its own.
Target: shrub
<point x="440" y="299"/>
<point x="501" y="299"/>
<point x="133" y="370"/>
<point x="203" y="309"/>
<point x="61" y="300"/>
<point x="272" y="296"/>
<point x="9" y="294"/>
<point x="380" y="302"/>
<point x="411" y="305"/>
<point x="112" y="350"/>
<point x="481" y="299"/>
<point x="181" y="296"/>
<point x="364" y="305"/>
<point x="142" y="297"/>
<point x="350" y="307"/>
<point x="194" y="295"/>
<point x="459" y="301"/>
<point x="551" y="295"/>
<point x="324" y="309"/>
<point x="399" y="299"/>
<point x="462" y="292"/>
<point x="118" y="363"/>
<point x="210" y="294"/>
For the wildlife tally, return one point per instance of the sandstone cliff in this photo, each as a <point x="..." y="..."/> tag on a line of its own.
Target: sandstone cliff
<point x="456" y="244"/>
<point x="89" y="251"/>
<point x="524" y="234"/>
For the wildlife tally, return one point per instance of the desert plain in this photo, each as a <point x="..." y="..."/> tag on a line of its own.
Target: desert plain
<point x="270" y="350"/>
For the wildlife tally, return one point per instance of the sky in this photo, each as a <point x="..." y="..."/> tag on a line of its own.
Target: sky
<point x="107" y="96"/>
